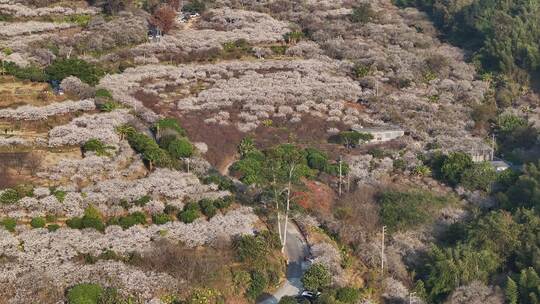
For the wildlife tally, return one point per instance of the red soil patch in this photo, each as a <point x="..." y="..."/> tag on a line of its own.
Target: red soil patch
<point x="317" y="196"/>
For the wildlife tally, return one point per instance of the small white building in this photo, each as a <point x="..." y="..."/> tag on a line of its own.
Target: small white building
<point x="381" y="134"/>
<point x="500" y="165"/>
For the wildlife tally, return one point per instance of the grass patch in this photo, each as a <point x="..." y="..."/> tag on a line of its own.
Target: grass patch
<point x="406" y="210"/>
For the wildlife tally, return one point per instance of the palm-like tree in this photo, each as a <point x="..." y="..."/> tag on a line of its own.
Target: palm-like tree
<point x="124" y="131"/>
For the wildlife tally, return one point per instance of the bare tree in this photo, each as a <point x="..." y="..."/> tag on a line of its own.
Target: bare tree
<point x="164" y="18"/>
<point x="33" y="162"/>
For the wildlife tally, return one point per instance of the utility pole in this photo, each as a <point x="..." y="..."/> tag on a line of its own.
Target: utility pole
<point x="349" y="181"/>
<point x="340" y="175"/>
<point x="382" y="249"/>
<point x="187" y="163"/>
<point x="492" y="146"/>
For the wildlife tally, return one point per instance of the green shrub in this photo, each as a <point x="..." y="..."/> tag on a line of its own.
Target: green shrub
<point x="31" y="73"/>
<point x="251" y="248"/>
<point x="161" y="218"/>
<point x="288" y="300"/>
<point x="166" y="140"/>
<point x="91" y="219"/>
<point x="103" y="93"/>
<point x="60" y="195"/>
<point x="170" y="209"/>
<point x="110" y="255"/>
<point x="91" y="222"/>
<point x="479" y="177"/>
<point x="6" y="17"/>
<point x="259" y="282"/>
<point x="24" y="190"/>
<point x="79" y="19"/>
<point x="316" y="278"/>
<point x="110" y="106"/>
<point x="317" y="159"/>
<point x="9" y="196"/>
<point x="208" y="208"/>
<point x="348" y="295"/>
<point x="62" y="68"/>
<point x="149" y="149"/>
<point x="453" y="167"/>
<point x="279" y="49"/>
<point x="188" y="216"/>
<point x="84" y="293"/>
<point x="271" y="239"/>
<point x="293" y="36"/>
<point x="92" y="212"/>
<point x="333" y="169"/>
<point x="131" y="220"/>
<point x="74" y="223"/>
<point x="180" y="148"/>
<point x="97" y="146"/>
<point x="168" y="124"/>
<point x="421" y="170"/>
<point x="37" y="222"/>
<point x="250" y="167"/>
<point x="378" y="153"/>
<point x="9" y="224"/>
<point x="223" y="182"/>
<point x="399" y="164"/>
<point x="361" y="70"/>
<point x="142" y="201"/>
<point x="223" y="203"/>
<point x="53" y="227"/>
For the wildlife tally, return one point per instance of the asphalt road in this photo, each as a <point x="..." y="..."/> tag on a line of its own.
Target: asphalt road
<point x="296" y="250"/>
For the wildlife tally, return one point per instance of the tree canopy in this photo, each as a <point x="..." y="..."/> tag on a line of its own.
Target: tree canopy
<point x="503" y="34"/>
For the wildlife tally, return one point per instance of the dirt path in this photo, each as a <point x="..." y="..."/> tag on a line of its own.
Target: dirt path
<point x="226" y="164"/>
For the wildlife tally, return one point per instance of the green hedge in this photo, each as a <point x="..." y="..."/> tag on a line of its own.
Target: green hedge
<point x="62" y="68"/>
<point x="85" y="293"/>
<point x="9" y="196"/>
<point x="161" y="218"/>
<point x="190" y="213"/>
<point x="31" y="73"/>
<point x="38" y="222"/>
<point x="135" y="218"/>
<point x="9" y="224"/>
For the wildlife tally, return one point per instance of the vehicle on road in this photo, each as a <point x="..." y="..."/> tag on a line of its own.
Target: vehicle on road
<point x="310" y="294"/>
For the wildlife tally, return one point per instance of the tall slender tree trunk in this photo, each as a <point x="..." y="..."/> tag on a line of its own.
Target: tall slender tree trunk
<point x="276" y="200"/>
<point x="287" y="210"/>
<point x="286" y="217"/>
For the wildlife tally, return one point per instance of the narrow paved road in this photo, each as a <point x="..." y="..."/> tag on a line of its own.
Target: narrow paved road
<point x="296" y="250"/>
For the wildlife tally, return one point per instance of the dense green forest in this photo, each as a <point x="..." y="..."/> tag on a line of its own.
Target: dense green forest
<point x="504" y="35"/>
<point x="500" y="246"/>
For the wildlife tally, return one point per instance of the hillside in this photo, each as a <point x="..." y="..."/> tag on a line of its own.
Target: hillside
<point x="245" y="151"/>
